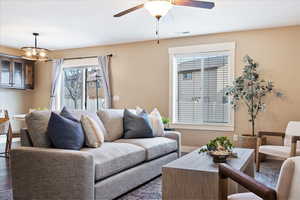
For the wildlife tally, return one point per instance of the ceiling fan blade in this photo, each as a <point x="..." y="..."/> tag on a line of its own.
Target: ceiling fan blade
<point x="129" y="10"/>
<point x="192" y="3"/>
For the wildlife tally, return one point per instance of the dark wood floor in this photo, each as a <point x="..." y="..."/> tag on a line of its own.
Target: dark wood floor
<point x="5" y="177"/>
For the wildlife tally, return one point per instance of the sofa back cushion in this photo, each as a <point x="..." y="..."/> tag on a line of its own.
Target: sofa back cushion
<point x="67" y="114"/>
<point x="113" y="122"/>
<point x="77" y="114"/>
<point x="65" y="133"/>
<point x="37" y="124"/>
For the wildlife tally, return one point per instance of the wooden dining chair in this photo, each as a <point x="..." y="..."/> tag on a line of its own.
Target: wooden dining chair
<point x="9" y="134"/>
<point x="287" y="186"/>
<point x="288" y="148"/>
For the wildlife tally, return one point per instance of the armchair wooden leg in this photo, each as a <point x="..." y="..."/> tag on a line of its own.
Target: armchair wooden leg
<point x="293" y="149"/>
<point x="223" y="187"/>
<point x="258" y="156"/>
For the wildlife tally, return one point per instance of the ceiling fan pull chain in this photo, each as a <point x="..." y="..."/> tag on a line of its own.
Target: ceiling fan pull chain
<point x="157" y="29"/>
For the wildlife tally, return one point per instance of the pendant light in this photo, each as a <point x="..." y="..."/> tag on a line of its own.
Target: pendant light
<point x="35" y="53"/>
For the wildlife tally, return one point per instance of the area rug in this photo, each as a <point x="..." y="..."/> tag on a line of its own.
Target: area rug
<point x="268" y="175"/>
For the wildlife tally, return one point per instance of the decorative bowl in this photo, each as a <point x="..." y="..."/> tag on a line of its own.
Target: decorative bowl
<point x="219" y="156"/>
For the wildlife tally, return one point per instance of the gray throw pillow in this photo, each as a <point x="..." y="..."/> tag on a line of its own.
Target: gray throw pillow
<point x="136" y="126"/>
<point x="37" y="124"/>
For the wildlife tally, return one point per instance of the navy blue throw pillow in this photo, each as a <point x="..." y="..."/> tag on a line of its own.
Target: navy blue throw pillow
<point x="65" y="133"/>
<point x="67" y="114"/>
<point x="136" y="126"/>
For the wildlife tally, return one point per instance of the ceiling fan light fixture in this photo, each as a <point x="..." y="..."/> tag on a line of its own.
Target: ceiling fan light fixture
<point x="158" y="8"/>
<point x="35" y="53"/>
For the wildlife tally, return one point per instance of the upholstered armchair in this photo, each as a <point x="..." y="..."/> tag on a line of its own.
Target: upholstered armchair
<point x="287" y="149"/>
<point x="287" y="186"/>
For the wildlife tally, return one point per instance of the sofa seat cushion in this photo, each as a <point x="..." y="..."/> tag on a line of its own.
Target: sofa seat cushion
<point x="155" y="147"/>
<point x="112" y="158"/>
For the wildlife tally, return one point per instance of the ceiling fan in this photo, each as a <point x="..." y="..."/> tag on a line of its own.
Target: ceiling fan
<point x="159" y="8"/>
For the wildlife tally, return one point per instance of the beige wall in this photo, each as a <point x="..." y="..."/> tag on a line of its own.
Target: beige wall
<point x="15" y="101"/>
<point x="140" y="74"/>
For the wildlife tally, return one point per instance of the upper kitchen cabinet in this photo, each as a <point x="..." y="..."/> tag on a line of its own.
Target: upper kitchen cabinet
<point x="29" y="75"/>
<point x="16" y="73"/>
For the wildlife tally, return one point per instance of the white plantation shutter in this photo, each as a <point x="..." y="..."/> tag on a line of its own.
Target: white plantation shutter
<point x="201" y="80"/>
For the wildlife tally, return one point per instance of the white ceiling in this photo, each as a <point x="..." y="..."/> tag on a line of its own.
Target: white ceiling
<point x="80" y="23"/>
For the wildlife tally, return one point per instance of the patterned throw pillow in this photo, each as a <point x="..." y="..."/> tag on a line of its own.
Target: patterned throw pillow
<point x="157" y="123"/>
<point x="94" y="137"/>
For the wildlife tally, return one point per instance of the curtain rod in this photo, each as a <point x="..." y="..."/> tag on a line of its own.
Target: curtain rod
<point x="83" y="57"/>
<point x="11" y="56"/>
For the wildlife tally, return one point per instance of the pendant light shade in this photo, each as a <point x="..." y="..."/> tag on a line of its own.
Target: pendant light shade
<point x="35" y="53"/>
<point x="158" y="8"/>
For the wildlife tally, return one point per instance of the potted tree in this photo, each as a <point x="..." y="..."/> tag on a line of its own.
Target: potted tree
<point x="249" y="89"/>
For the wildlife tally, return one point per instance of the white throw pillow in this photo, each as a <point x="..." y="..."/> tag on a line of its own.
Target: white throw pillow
<point x="155" y="121"/>
<point x="94" y="137"/>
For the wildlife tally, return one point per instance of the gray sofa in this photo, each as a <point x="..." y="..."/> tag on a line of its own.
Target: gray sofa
<point x="92" y="173"/>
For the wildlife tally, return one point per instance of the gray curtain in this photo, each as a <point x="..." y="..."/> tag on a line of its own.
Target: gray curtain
<point x="104" y="64"/>
<point x="56" y="74"/>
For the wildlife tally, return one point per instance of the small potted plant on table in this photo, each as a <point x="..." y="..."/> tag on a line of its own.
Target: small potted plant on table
<point x="220" y="149"/>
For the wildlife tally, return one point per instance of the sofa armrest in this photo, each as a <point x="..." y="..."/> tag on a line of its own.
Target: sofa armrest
<point x="25" y="138"/>
<point x="175" y="135"/>
<point x="44" y="173"/>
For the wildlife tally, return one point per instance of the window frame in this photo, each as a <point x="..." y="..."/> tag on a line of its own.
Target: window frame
<point x="208" y="49"/>
<point x="61" y="88"/>
<point x="72" y="64"/>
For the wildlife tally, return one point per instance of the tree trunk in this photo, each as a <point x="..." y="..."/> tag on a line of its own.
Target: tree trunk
<point x="253" y="125"/>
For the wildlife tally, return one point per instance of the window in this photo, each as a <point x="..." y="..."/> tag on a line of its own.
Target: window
<point x="82" y="88"/>
<point x="199" y="77"/>
<point x="187" y="76"/>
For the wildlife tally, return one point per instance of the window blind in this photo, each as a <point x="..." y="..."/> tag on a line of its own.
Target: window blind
<point x="201" y="81"/>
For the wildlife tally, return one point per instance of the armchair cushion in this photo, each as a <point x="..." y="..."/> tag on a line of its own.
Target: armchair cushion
<point x="278" y="151"/>
<point x="286" y="175"/>
<point x="244" y="196"/>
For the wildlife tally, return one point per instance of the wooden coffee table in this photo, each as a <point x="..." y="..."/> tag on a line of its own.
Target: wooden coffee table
<point x="195" y="176"/>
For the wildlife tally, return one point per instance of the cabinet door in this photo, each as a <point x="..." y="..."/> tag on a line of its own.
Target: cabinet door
<point x="5" y="72"/>
<point x="18" y="75"/>
<point x="29" y="75"/>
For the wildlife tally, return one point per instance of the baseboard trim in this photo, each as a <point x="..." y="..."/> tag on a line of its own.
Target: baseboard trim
<point x="188" y="149"/>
